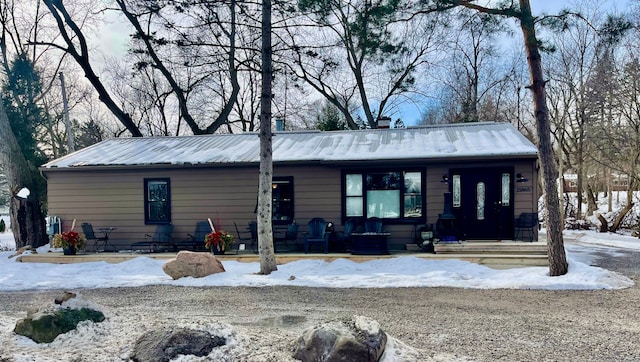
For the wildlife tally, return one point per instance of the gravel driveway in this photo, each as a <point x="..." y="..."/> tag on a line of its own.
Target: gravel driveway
<point x="442" y="324"/>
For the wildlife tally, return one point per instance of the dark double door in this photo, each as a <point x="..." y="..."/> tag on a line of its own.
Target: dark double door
<point x="483" y="202"/>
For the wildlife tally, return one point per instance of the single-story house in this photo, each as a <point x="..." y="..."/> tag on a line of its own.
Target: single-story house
<point x="487" y="170"/>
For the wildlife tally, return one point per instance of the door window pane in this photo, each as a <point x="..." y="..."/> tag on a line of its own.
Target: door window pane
<point x="506" y="189"/>
<point x="457" y="198"/>
<point x="480" y="200"/>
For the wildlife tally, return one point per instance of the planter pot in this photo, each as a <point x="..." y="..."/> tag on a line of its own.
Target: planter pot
<point x="218" y="252"/>
<point x="69" y="251"/>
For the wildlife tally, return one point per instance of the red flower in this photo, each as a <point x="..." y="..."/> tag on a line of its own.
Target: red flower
<point x="218" y="239"/>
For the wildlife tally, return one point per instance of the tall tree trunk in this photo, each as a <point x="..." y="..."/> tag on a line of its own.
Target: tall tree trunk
<point x="592" y="205"/>
<point x="265" y="231"/>
<point x="27" y="219"/>
<point x="555" y="246"/>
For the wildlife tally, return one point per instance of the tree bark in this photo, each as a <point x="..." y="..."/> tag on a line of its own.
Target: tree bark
<point x="555" y="245"/>
<point x="265" y="231"/>
<point x="603" y="223"/>
<point x="592" y="205"/>
<point x="628" y="207"/>
<point x="27" y="219"/>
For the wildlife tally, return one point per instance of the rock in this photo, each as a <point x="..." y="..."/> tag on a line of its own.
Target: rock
<point x="190" y="264"/>
<point x="165" y="345"/>
<point x="22" y="250"/>
<point x="45" y="326"/>
<point x="65" y="297"/>
<point x="356" y="339"/>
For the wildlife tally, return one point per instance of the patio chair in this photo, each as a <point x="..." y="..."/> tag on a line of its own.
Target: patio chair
<point x="89" y="234"/>
<point x="161" y="240"/>
<point x="373" y="225"/>
<point x="290" y="235"/>
<point x="524" y="226"/>
<point x="195" y="241"/>
<point x="251" y="238"/>
<point x="343" y="238"/>
<point x="317" y="234"/>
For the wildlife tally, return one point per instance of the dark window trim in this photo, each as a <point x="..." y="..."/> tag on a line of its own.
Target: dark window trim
<point x="147" y="221"/>
<point x="364" y="171"/>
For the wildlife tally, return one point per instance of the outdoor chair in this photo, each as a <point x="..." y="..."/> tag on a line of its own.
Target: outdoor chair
<point x="524" y="226"/>
<point x="87" y="230"/>
<point x="343" y="238"/>
<point x="161" y="240"/>
<point x="373" y="225"/>
<point x="195" y="241"/>
<point x="317" y="234"/>
<point x="251" y="238"/>
<point x="290" y="235"/>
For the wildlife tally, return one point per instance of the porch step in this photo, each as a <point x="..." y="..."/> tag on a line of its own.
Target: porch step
<point x="493" y="248"/>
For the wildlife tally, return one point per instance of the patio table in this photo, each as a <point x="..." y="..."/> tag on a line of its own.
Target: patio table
<point x="369" y="243"/>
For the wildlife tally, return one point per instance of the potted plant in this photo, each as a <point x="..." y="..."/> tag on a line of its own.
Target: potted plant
<point x="69" y="241"/>
<point x="218" y="241"/>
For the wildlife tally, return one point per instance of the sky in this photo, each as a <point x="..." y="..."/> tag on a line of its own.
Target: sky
<point x="398" y="272"/>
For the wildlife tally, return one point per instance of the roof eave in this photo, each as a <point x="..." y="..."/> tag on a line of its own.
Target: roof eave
<point x="290" y="163"/>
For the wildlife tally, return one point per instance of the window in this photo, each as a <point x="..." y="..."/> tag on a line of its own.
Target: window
<point x="388" y="195"/>
<point x="506" y="189"/>
<point x="282" y="200"/>
<point x="457" y="193"/>
<point x="157" y="201"/>
<point x="480" y="197"/>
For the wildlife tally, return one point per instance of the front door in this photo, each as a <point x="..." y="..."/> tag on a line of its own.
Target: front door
<point x="483" y="202"/>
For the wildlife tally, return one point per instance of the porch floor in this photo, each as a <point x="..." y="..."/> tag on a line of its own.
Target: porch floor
<point x="498" y="255"/>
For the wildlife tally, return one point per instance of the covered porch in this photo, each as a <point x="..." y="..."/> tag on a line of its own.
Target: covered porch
<point x="494" y="254"/>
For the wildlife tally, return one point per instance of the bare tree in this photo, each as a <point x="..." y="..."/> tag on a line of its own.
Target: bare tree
<point x="75" y="44"/>
<point x="473" y="75"/>
<point x="265" y="232"/>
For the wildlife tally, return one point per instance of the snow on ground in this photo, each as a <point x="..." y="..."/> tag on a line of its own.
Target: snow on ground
<point x="403" y="271"/>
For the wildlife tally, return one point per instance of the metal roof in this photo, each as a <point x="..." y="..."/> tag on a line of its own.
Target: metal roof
<point x="468" y="140"/>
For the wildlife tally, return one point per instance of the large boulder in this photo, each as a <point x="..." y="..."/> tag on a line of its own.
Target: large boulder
<point x="353" y="339"/>
<point x="45" y="324"/>
<point x="165" y="345"/>
<point x="190" y="264"/>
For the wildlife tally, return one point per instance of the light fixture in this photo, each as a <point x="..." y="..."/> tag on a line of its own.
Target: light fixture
<point x="521" y="178"/>
<point x="445" y="179"/>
